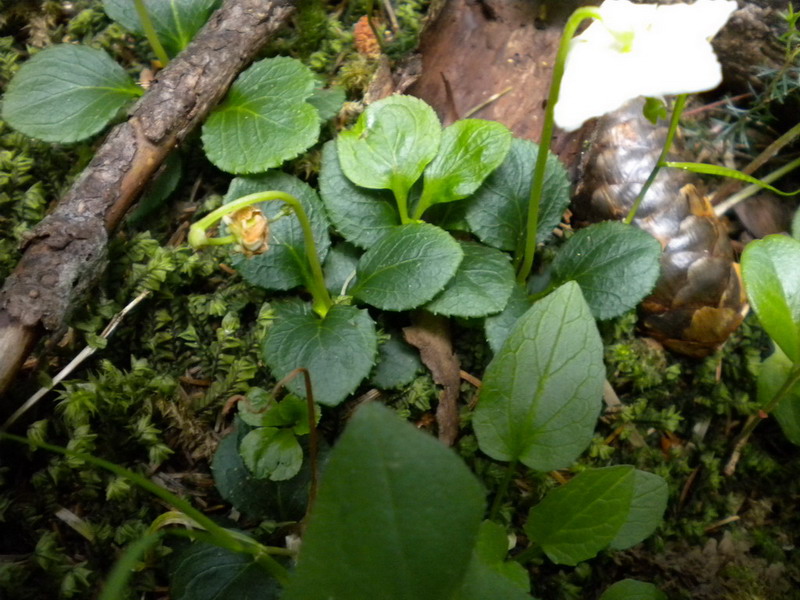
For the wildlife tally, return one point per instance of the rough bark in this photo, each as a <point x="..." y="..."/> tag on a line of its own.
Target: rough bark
<point x="65" y="253"/>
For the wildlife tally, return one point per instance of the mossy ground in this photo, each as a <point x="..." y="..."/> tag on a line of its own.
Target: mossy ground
<point x="151" y="398"/>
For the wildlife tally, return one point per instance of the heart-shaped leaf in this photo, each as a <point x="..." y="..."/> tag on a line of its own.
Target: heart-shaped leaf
<point x="542" y="392"/>
<point x="407" y="267"/>
<point x="498" y="211"/>
<point x="265" y="119"/>
<point x="175" y="21"/>
<point x="577" y="520"/>
<point x="338" y="350"/>
<point x="469" y="151"/>
<point x="361" y="215"/>
<point x="390" y="144"/>
<point x="272" y="453"/>
<point x="67" y="93"/>
<point x="384" y="524"/>
<point x="771" y="273"/>
<point x="615" y="264"/>
<point x="284" y="266"/>
<point x="481" y="286"/>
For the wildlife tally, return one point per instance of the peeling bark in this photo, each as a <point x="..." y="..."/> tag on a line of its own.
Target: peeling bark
<point x="65" y="253"/>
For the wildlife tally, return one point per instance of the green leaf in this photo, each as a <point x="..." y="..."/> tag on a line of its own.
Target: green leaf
<point x="796" y="225"/>
<point x="542" y="392"/>
<point x="159" y="189"/>
<point x="384" y="524"/>
<point x="491" y="549"/>
<point x="257" y="498"/>
<point x="481" y="286"/>
<point x="498" y="211"/>
<point x="176" y="21"/>
<point x="67" y="93"/>
<point x="774" y="373"/>
<point x="340" y="268"/>
<point x="284" y="265"/>
<point x="469" y="151"/>
<point x="398" y="364"/>
<point x="483" y="583"/>
<point x="272" y="453"/>
<point x="577" y="520"/>
<point x="390" y="144"/>
<point x="654" y="109"/>
<point x="328" y="102"/>
<point x="630" y="589"/>
<point x="338" y="350"/>
<point x="204" y="572"/>
<point x="648" y="503"/>
<point x="498" y="326"/>
<point x="615" y="264"/>
<point x="360" y="215"/>
<point x="407" y="267"/>
<point x="704" y="169"/>
<point x="771" y="273"/>
<point x="260" y="409"/>
<point x="265" y="119"/>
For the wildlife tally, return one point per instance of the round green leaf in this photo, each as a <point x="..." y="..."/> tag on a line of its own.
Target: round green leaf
<point x="648" y="503"/>
<point x="265" y="119"/>
<point x="771" y="273"/>
<point x="67" y="93"/>
<point x="338" y="350"/>
<point x="615" y="264"/>
<point x="630" y="589"/>
<point x="497" y="327"/>
<point x="204" y="572"/>
<point x="362" y="216"/>
<point x="774" y="372"/>
<point x="407" y="267"/>
<point x="390" y="144"/>
<point x="175" y="21"/>
<point x="470" y="149"/>
<point x="577" y="520"/>
<point x="384" y="524"/>
<point x="284" y="265"/>
<point x="398" y="364"/>
<point x="272" y="453"/>
<point x="481" y="286"/>
<point x="542" y="392"/>
<point x="498" y="211"/>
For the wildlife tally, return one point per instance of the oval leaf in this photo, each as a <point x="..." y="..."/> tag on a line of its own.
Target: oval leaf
<point x="265" y="119"/>
<point x="648" y="503"/>
<point x="542" y="392"/>
<point x="390" y="144"/>
<point x="774" y="372"/>
<point x="481" y="286"/>
<point x="469" y="151"/>
<point x="67" y="93"/>
<point x="497" y="327"/>
<point x="577" y="520"/>
<point x="205" y="572"/>
<point x="338" y="350"/>
<point x="175" y="21"/>
<point x="498" y="211"/>
<point x="384" y="524"/>
<point x="407" y="267"/>
<point x="771" y="273"/>
<point x="272" y="453"/>
<point x="361" y="215"/>
<point x="615" y="264"/>
<point x="630" y="589"/>
<point x="284" y="265"/>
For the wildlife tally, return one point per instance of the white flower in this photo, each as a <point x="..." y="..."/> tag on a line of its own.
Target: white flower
<point x="640" y="50"/>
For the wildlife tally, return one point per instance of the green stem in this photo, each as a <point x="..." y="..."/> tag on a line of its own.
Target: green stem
<point x="680" y="101"/>
<point x="316" y="282"/>
<point x="502" y="490"/>
<point x="401" y="196"/>
<point x="537" y="185"/>
<point x="150" y="33"/>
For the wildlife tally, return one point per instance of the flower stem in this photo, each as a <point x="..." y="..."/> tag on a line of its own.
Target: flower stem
<point x="315" y="281"/>
<point x="537" y="184"/>
<point x="680" y="101"/>
<point x="150" y="33"/>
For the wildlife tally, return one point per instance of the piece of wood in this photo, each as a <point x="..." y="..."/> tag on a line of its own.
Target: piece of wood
<point x="65" y="253"/>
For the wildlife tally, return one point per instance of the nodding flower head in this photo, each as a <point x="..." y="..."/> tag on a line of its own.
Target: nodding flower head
<point x="250" y="228"/>
<point x="640" y="50"/>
